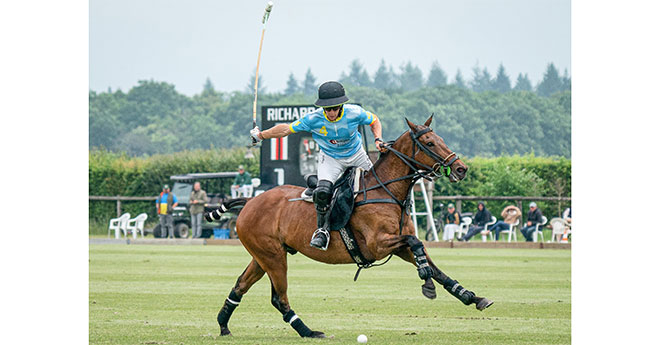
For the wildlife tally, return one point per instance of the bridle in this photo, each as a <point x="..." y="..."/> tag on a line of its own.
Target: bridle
<point x="417" y="173"/>
<point x="441" y="165"/>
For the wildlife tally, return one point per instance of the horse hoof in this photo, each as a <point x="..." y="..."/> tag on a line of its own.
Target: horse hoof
<point x="224" y="331"/>
<point x="316" y="334"/>
<point x="484" y="303"/>
<point x="428" y="289"/>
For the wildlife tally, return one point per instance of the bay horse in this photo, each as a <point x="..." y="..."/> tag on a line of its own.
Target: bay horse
<point x="269" y="225"/>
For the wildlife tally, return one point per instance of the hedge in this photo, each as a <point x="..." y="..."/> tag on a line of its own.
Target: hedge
<point x="113" y="174"/>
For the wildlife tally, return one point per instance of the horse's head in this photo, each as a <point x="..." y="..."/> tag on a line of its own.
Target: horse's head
<point x="429" y="149"/>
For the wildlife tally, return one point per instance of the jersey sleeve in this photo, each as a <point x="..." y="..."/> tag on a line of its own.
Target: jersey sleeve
<point x="301" y="125"/>
<point x="366" y="117"/>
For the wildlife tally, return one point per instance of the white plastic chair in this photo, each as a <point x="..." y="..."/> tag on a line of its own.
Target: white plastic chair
<point x="485" y="231"/>
<point x="119" y="224"/>
<point x="137" y="224"/>
<point x="463" y="227"/>
<point x="512" y="230"/>
<point x="535" y="235"/>
<point x="559" y="226"/>
<point x="247" y="190"/>
<point x="256" y="182"/>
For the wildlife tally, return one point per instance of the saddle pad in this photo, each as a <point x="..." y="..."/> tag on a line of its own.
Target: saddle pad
<point x="343" y="200"/>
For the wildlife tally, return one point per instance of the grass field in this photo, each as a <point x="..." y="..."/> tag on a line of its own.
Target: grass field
<point x="147" y="294"/>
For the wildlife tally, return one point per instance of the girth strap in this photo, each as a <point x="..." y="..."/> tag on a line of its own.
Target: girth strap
<point x="376" y="201"/>
<point x="351" y="244"/>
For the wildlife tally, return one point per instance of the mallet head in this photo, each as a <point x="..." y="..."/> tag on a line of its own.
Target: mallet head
<point x="269" y="7"/>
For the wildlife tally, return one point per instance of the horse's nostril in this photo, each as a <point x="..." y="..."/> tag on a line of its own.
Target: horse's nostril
<point x="461" y="170"/>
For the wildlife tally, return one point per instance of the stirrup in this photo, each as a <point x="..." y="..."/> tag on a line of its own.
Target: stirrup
<point x="327" y="236"/>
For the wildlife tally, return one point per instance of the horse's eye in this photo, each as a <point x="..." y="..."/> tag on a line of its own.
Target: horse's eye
<point x="430" y="144"/>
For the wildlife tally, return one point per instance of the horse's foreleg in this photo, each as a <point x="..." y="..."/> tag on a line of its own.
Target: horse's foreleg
<point x="279" y="299"/>
<point x="406" y="253"/>
<point x="251" y="275"/>
<point x="427" y="270"/>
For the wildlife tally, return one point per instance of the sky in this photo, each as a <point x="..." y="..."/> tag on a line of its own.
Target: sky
<point x="185" y="42"/>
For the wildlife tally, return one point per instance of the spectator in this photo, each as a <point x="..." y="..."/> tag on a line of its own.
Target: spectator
<point x="482" y="217"/>
<point x="509" y="214"/>
<point x="452" y="218"/>
<point x="197" y="200"/>
<point x="165" y="202"/>
<point x="533" y="217"/>
<point x="567" y="215"/>
<point x="242" y="182"/>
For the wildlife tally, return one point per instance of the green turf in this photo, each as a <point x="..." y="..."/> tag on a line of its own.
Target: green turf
<point x="146" y="294"/>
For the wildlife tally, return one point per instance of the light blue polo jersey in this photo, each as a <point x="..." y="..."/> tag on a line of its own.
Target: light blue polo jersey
<point x="339" y="138"/>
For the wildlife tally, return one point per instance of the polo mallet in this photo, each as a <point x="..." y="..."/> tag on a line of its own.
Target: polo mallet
<point x="269" y="7"/>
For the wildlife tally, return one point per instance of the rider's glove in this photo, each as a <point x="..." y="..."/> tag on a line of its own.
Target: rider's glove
<point x="254" y="133"/>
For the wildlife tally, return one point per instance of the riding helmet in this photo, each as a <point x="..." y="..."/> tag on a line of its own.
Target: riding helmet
<point x="331" y="93"/>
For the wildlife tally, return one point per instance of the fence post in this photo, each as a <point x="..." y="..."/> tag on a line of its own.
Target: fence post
<point x="459" y="203"/>
<point x="118" y="207"/>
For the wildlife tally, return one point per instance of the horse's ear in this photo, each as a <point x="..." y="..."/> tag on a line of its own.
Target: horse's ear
<point x="412" y="126"/>
<point x="428" y="121"/>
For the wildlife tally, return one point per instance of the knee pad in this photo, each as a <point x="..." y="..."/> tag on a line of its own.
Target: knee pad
<point x="323" y="195"/>
<point x="311" y="180"/>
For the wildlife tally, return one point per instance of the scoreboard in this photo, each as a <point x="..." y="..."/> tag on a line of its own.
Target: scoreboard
<point x="286" y="160"/>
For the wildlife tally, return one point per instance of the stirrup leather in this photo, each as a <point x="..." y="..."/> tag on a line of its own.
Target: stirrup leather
<point x="327" y="236"/>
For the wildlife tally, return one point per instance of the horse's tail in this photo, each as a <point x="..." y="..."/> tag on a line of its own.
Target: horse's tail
<point x="224" y="207"/>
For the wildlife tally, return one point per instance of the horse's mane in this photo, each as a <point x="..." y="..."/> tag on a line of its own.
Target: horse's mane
<point x="384" y="155"/>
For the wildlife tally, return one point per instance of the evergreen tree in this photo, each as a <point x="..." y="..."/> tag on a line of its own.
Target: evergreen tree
<point x="523" y="83"/>
<point x="384" y="77"/>
<point x="291" y="85"/>
<point x="309" y="84"/>
<point x="481" y="81"/>
<point x="565" y="81"/>
<point x="502" y="82"/>
<point x="437" y="77"/>
<point x="459" y="81"/>
<point x="249" y="88"/>
<point x="551" y="82"/>
<point x="208" y="89"/>
<point x="357" y="75"/>
<point x="410" y="77"/>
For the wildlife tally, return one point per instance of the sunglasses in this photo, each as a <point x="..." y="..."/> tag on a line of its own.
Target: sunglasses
<point x="332" y="108"/>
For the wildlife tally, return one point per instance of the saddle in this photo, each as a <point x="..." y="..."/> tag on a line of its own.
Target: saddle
<point x="341" y="209"/>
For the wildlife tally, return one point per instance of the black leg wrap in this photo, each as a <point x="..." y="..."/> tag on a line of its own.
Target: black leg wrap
<point x="297" y="324"/>
<point x="464" y="295"/>
<point x="417" y="247"/>
<point x="227" y="309"/>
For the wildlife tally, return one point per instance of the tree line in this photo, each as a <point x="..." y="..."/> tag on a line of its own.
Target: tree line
<point x="484" y="116"/>
<point x="410" y="77"/>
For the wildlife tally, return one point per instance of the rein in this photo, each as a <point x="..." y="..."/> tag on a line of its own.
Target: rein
<point x="410" y="161"/>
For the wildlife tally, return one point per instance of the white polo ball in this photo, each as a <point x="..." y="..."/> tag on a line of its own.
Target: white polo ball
<point x="362" y="339"/>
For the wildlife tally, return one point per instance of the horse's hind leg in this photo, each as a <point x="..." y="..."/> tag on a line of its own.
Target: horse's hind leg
<point x="276" y="268"/>
<point x="416" y="253"/>
<point x="251" y="275"/>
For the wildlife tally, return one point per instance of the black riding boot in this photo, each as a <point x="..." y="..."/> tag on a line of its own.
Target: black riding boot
<point x="322" y="197"/>
<point x="321" y="236"/>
